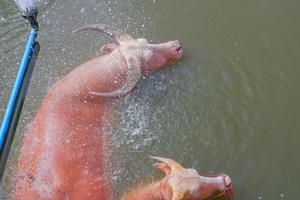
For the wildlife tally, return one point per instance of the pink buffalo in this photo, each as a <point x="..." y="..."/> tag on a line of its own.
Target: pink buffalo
<point x="62" y="155"/>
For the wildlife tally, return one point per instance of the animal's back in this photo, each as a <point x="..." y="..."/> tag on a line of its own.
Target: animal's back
<point x="62" y="155"/>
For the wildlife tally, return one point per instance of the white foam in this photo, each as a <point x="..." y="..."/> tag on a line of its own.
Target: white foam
<point x="26" y="5"/>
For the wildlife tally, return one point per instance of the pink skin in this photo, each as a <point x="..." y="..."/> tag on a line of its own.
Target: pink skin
<point x="161" y="55"/>
<point x="62" y="155"/>
<point x="182" y="184"/>
<point x="155" y="54"/>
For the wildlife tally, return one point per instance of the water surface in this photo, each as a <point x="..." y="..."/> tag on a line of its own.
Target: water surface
<point x="231" y="105"/>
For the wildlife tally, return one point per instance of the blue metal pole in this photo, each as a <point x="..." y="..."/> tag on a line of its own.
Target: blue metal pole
<point x="16" y="88"/>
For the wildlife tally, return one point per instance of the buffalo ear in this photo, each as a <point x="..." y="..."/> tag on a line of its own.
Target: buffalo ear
<point x="163" y="167"/>
<point x="171" y="163"/>
<point x="107" y="48"/>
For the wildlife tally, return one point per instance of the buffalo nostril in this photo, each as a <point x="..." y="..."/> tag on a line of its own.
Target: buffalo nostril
<point x="178" y="48"/>
<point x="227" y="181"/>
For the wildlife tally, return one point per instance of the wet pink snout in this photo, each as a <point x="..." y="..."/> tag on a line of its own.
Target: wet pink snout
<point x="228" y="190"/>
<point x="177" y="49"/>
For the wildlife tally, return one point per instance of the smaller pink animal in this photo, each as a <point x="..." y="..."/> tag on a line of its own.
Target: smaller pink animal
<point x="182" y="184"/>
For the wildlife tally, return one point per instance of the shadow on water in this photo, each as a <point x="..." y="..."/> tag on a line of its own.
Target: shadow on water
<point x="231" y="105"/>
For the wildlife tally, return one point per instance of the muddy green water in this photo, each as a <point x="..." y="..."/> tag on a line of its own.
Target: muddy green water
<point x="231" y="105"/>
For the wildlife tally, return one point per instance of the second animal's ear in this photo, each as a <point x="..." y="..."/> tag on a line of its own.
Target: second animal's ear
<point x="163" y="167"/>
<point x="167" y="165"/>
<point x="107" y="48"/>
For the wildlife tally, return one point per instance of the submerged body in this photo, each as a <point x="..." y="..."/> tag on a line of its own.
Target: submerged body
<point x="62" y="155"/>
